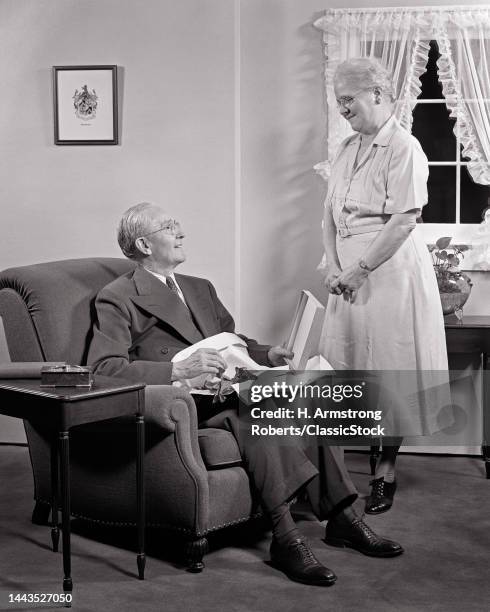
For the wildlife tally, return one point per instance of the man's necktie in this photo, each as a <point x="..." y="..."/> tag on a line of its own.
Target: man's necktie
<point x="171" y="285"/>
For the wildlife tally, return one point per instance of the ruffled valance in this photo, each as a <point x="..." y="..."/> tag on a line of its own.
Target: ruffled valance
<point x="399" y="38"/>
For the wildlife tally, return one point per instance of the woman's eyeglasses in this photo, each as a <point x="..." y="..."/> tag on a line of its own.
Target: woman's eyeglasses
<point x="348" y="101"/>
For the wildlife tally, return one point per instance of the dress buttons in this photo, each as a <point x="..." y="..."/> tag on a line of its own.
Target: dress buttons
<point x="164" y="350"/>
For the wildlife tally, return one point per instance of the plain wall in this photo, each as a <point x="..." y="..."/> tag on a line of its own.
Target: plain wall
<point x="176" y="86"/>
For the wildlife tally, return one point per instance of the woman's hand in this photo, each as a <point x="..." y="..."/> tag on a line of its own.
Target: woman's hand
<point x="333" y="272"/>
<point x="349" y="281"/>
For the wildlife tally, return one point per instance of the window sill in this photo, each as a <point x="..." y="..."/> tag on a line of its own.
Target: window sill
<point x="461" y="233"/>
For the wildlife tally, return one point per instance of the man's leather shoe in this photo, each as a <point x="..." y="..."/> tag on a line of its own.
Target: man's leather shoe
<point x="296" y="560"/>
<point x="381" y="498"/>
<point x="356" y="534"/>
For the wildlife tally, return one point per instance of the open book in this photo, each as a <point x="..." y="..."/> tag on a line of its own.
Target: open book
<point x="234" y="351"/>
<point x="305" y="331"/>
<point x="303" y="341"/>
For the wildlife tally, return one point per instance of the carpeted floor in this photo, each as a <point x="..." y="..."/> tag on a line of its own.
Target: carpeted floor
<point x="441" y="516"/>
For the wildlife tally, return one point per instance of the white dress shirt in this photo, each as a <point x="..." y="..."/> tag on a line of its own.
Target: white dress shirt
<point x="163" y="278"/>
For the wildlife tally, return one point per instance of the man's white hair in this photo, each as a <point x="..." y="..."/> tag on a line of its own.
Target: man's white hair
<point x="135" y="222"/>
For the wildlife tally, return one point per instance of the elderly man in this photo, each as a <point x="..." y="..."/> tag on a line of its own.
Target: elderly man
<point x="147" y="316"/>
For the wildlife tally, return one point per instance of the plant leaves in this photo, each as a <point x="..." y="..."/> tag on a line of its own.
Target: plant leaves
<point x="453" y="260"/>
<point x="443" y="242"/>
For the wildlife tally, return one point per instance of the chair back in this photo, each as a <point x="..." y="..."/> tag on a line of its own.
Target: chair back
<point x="48" y="308"/>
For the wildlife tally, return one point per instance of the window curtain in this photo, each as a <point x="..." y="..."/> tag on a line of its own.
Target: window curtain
<point x="464" y="45"/>
<point x="399" y="38"/>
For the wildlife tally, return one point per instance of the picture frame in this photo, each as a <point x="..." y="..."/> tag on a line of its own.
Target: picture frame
<point x="85" y="105"/>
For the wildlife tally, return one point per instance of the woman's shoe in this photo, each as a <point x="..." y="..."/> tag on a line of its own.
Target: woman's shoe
<point x="381" y="498"/>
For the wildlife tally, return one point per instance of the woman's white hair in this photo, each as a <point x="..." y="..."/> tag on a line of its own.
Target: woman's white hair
<point x="135" y="222"/>
<point x="366" y="72"/>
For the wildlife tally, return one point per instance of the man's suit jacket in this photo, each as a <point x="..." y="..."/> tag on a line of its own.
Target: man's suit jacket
<point x="141" y="324"/>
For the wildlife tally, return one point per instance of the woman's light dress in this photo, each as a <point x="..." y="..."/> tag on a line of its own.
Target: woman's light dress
<point x="396" y="321"/>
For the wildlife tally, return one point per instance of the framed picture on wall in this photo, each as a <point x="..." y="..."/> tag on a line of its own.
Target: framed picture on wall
<point x="85" y="105"/>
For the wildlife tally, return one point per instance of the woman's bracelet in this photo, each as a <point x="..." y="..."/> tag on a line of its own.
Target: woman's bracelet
<point x="362" y="264"/>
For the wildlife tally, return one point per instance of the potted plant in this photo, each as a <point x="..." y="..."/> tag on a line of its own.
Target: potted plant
<point x="454" y="285"/>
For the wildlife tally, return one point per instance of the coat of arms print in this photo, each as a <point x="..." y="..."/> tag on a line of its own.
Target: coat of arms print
<point x="85" y="103"/>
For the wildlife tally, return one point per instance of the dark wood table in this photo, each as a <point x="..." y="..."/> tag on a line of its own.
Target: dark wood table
<point x="66" y="407"/>
<point x="472" y="335"/>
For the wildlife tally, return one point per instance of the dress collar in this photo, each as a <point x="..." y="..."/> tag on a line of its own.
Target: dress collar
<point x="384" y="135"/>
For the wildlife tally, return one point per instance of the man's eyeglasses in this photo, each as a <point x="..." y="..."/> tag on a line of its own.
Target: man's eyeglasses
<point x="348" y="101"/>
<point x="172" y="228"/>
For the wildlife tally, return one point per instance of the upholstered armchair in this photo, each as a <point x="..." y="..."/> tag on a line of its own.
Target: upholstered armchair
<point x="195" y="483"/>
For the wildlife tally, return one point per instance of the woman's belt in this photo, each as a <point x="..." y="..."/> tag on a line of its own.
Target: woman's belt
<point x="359" y="229"/>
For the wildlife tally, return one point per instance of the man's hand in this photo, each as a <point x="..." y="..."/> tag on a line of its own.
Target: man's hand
<point x="202" y="361"/>
<point x="277" y="355"/>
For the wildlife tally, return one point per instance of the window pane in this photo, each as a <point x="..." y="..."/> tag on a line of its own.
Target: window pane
<point x="434" y="130"/>
<point x="474" y="198"/>
<point x="441" y="207"/>
<point x="463" y="157"/>
<point x="431" y="87"/>
<point x="478" y="113"/>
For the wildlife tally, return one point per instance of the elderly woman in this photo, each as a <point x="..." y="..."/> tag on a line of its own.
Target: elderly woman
<point x="384" y="311"/>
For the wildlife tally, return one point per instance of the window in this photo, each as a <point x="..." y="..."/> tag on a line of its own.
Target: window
<point x="453" y="195"/>
<point x="410" y="41"/>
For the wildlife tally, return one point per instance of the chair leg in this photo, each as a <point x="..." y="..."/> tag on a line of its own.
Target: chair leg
<point x="40" y="514"/>
<point x="373" y="458"/>
<point x="195" y="551"/>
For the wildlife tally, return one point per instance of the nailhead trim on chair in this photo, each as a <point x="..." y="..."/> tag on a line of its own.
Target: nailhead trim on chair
<point x="184" y="530"/>
<point x="237" y="522"/>
<point x="170" y="527"/>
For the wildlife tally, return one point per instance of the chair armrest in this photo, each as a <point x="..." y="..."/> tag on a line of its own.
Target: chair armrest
<point x="178" y="456"/>
<point x="173" y="410"/>
<point x="162" y="409"/>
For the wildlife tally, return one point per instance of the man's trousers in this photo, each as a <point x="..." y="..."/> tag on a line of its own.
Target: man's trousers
<point x="280" y="467"/>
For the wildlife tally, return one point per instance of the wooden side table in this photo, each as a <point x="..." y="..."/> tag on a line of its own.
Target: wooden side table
<point x="63" y="408"/>
<point x="472" y="335"/>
